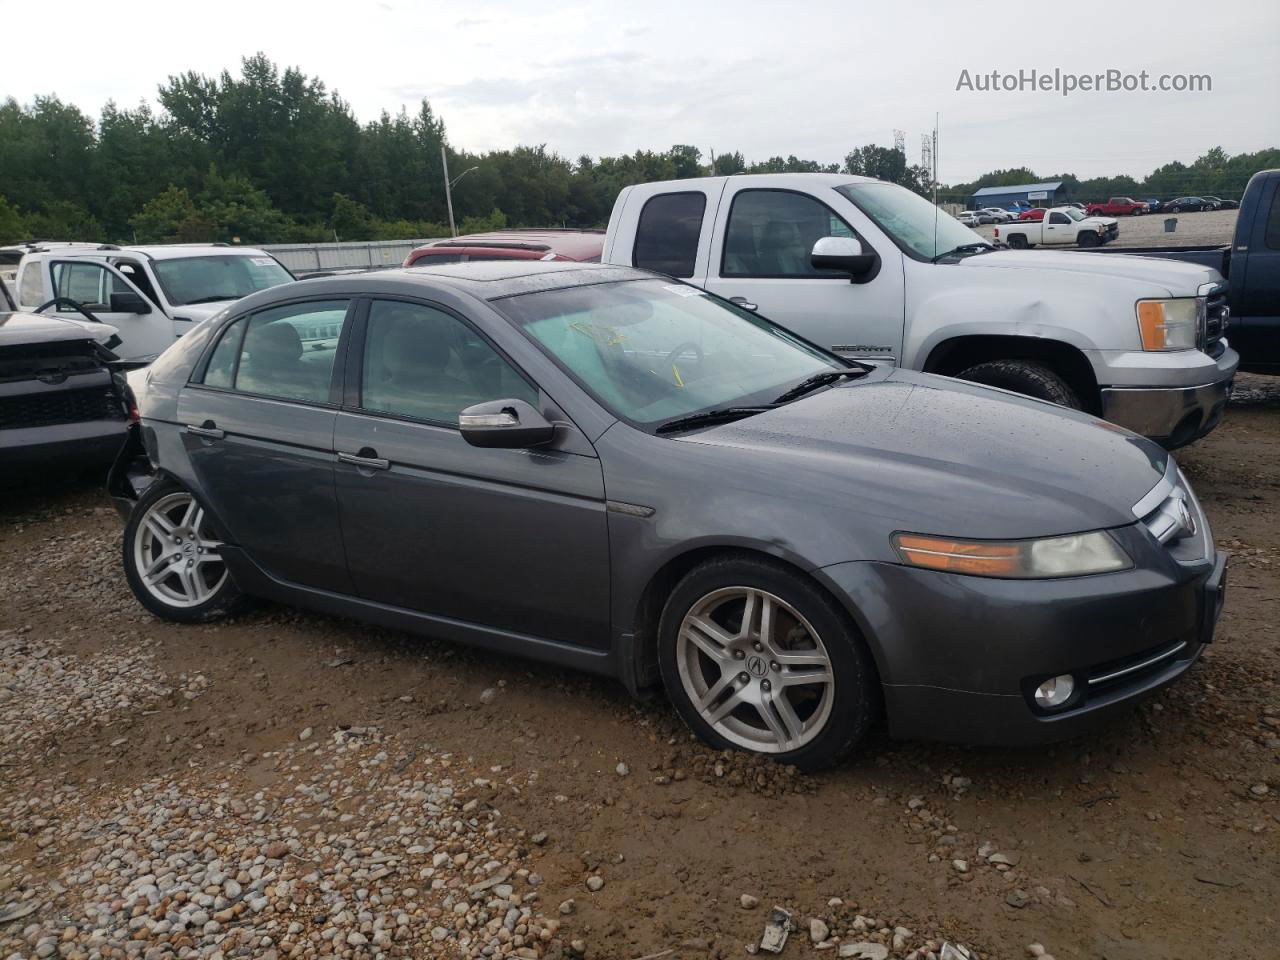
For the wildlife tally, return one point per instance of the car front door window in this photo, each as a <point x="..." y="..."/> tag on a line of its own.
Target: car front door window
<point x="771" y="233"/>
<point x="425" y="364"/>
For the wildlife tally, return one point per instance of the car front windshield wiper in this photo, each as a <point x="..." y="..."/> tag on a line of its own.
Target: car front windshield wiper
<point x="213" y="299"/>
<point x="711" y="417"/>
<point x="820" y="380"/>
<point x="965" y="248"/>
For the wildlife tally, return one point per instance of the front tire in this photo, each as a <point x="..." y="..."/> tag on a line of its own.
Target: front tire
<point x="172" y="560"/>
<point x="1026" y="377"/>
<point x="755" y="657"/>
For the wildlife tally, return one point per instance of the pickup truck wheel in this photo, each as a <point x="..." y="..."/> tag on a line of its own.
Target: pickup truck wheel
<point x="758" y="658"/>
<point x="1025" y="377"/>
<point x="172" y="559"/>
<point x="1018" y="242"/>
<point x="1088" y="238"/>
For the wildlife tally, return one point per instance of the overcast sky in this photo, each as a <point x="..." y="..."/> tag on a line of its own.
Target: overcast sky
<point x="812" y="78"/>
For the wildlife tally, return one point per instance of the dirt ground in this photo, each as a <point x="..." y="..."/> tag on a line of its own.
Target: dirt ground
<point x="1208" y="227"/>
<point x="123" y="736"/>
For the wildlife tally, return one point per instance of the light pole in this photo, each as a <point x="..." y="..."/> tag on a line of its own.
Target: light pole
<point x="448" y="187"/>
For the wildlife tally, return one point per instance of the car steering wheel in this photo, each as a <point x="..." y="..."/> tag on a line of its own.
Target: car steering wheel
<point x="71" y="304"/>
<point x="681" y="348"/>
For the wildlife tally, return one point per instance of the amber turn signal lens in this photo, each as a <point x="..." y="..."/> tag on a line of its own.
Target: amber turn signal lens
<point x="1151" y="324"/>
<point x="960" y="556"/>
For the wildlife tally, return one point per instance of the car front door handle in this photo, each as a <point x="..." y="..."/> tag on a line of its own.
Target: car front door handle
<point x="207" y="430"/>
<point x="366" y="459"/>
<point x="744" y="303"/>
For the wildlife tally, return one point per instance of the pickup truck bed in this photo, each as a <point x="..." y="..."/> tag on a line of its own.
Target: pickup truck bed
<point x="1251" y="264"/>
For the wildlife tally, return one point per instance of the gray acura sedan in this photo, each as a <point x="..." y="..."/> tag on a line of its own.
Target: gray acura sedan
<point x="619" y="473"/>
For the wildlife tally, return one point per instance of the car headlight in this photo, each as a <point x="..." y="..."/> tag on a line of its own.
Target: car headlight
<point x="1171" y="324"/>
<point x="1072" y="556"/>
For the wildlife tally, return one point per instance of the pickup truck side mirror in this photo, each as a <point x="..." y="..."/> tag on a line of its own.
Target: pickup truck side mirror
<point x="847" y="255"/>
<point x="129" y="302"/>
<point x="512" y="424"/>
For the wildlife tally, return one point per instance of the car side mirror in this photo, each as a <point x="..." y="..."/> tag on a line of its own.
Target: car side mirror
<point x="129" y="302"/>
<point x="847" y="255"/>
<point x="510" y="424"/>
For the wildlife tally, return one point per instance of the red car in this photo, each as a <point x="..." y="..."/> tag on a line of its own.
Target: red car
<point x="584" y="246"/>
<point x="1117" y="207"/>
<point x="1036" y="214"/>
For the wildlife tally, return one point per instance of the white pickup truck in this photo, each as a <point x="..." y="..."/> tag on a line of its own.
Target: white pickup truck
<point x="1059" y="226"/>
<point x="151" y="294"/>
<point x="873" y="271"/>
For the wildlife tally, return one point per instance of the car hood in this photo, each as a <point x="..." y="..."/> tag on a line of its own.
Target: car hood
<point x="1179" y="279"/>
<point x="30" y="328"/>
<point x="934" y="455"/>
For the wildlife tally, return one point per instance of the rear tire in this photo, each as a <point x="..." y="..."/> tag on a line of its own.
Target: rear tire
<point x="1027" y="377"/>
<point x="172" y="561"/>
<point x="1018" y="242"/>
<point x="755" y="657"/>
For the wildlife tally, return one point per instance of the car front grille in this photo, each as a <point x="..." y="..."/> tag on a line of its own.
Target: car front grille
<point x="1173" y="516"/>
<point x="48" y="408"/>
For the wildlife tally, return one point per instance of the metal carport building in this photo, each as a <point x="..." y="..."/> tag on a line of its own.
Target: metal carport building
<point x="1049" y="194"/>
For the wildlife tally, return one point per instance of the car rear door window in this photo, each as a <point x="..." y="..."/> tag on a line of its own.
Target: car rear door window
<point x="221" y="371"/>
<point x="288" y="352"/>
<point x="668" y="232"/>
<point x="771" y="233"/>
<point x="1273" y="222"/>
<point x="423" y="363"/>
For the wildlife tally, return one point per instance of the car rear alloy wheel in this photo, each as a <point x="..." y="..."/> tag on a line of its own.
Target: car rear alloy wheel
<point x="173" y="559"/>
<point x="755" y="669"/>
<point x="177" y="553"/>
<point x="757" y="657"/>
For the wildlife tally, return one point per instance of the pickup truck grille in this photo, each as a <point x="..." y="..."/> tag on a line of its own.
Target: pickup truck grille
<point x="34" y="361"/>
<point x="59" y="406"/>
<point x="1215" y="322"/>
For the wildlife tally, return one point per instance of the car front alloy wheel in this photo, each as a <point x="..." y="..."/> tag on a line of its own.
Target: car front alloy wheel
<point x="758" y="658"/>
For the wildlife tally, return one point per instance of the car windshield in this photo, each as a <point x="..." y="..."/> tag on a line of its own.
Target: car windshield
<point x="915" y="224"/>
<point x="187" y="280"/>
<point x="1074" y="213"/>
<point x="651" y="351"/>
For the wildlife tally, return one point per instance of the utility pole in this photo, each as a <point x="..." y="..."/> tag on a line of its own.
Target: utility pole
<point x="448" y="191"/>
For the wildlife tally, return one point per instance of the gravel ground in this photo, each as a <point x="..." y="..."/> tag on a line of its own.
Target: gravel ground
<point x="1209" y="227"/>
<point x="289" y="785"/>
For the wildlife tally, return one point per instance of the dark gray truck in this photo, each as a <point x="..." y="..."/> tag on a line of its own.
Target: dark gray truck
<point x="1251" y="264"/>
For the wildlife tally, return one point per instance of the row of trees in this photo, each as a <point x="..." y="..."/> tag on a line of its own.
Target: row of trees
<point x="272" y="155"/>
<point x="1216" y="173"/>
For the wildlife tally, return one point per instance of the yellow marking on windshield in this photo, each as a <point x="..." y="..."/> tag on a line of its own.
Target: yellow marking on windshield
<point x="676" y="372"/>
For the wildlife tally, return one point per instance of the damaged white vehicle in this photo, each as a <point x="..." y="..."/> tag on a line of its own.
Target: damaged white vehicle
<point x="873" y="271"/>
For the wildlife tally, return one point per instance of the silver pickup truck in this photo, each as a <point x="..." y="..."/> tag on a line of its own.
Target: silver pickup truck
<point x="871" y="270"/>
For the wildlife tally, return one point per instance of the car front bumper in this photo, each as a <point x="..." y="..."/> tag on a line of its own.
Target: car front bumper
<point x="86" y="443"/>
<point x="960" y="657"/>
<point x="1173" y="414"/>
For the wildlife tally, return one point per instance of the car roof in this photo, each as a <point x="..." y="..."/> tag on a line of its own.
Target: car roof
<point x="482" y="279"/>
<point x="575" y="244"/>
<point x="159" y="251"/>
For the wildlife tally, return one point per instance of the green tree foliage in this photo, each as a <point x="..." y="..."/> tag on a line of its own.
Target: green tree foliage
<point x="270" y="154"/>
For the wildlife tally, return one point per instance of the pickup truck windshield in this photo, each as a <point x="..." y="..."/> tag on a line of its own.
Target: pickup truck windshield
<point x="651" y="351"/>
<point x="919" y="228"/>
<point x="1074" y="214"/>
<point x="187" y="280"/>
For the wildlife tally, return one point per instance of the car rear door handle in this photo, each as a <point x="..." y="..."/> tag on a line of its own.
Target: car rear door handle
<point x="369" y="462"/>
<point x="744" y="303"/>
<point x="206" y="429"/>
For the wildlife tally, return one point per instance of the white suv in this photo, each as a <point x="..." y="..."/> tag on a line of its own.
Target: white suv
<point x="151" y="294"/>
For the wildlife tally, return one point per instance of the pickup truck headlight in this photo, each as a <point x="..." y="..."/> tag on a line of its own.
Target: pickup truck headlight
<point x="1071" y="556"/>
<point x="1171" y="324"/>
